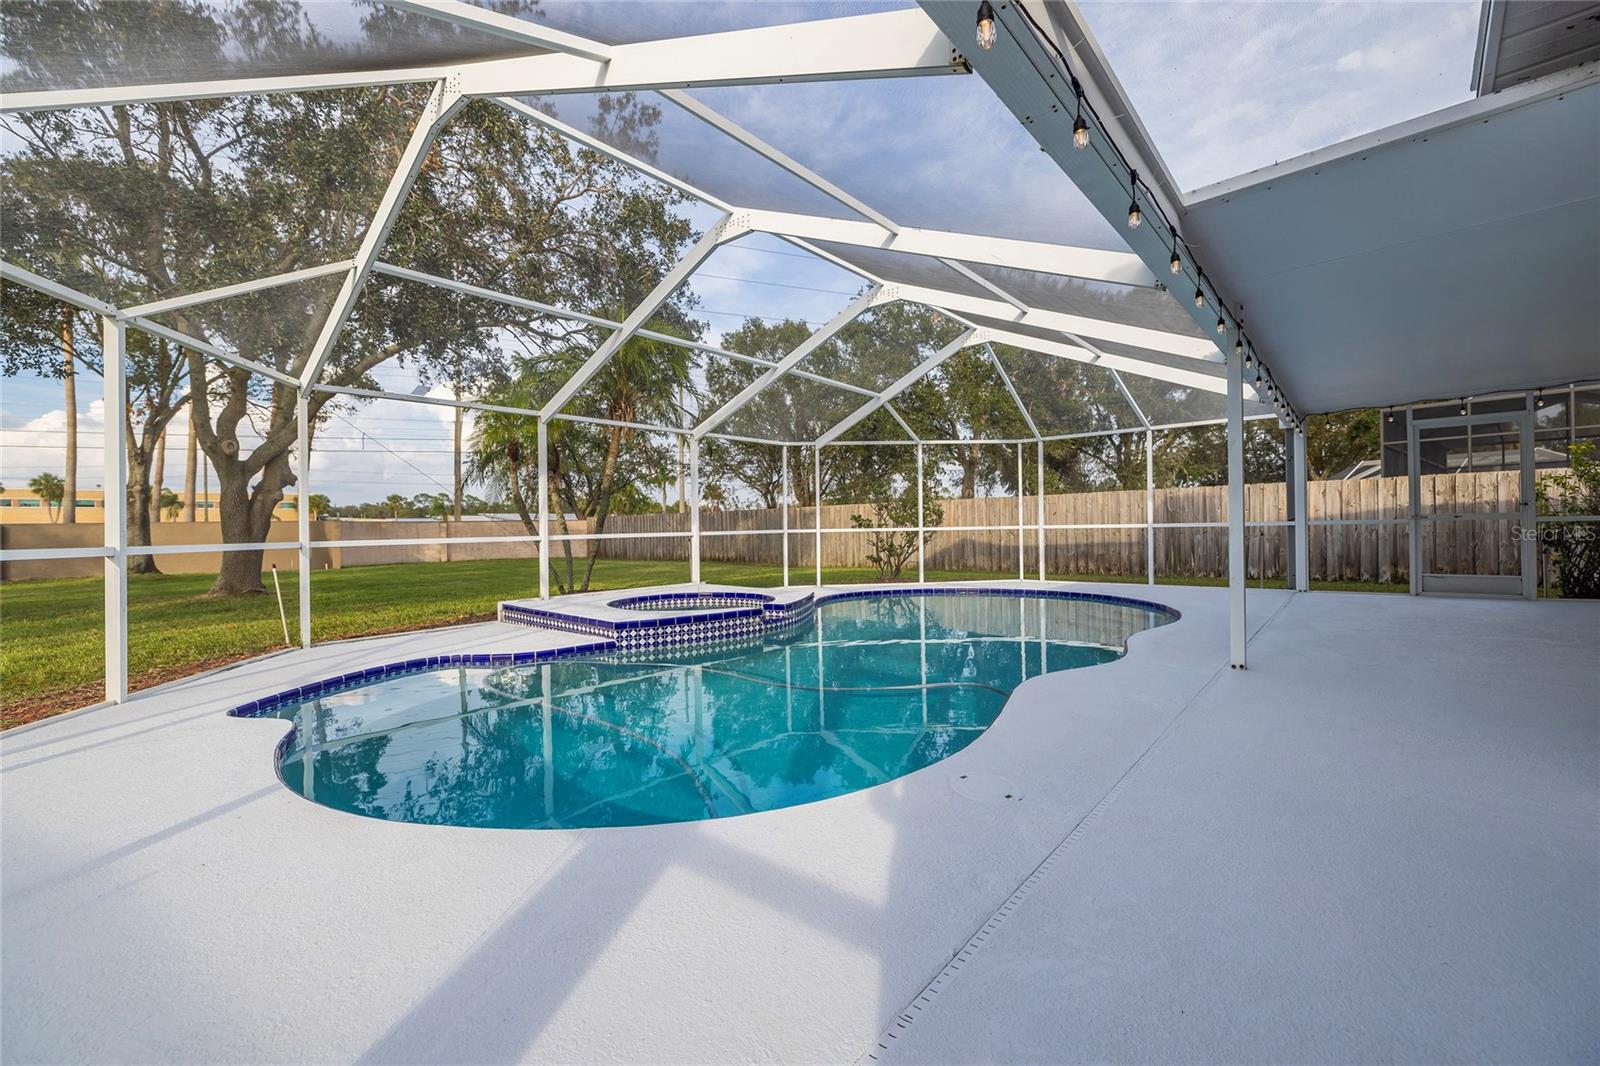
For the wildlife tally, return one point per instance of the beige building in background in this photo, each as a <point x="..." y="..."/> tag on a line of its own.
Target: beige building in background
<point x="19" y="506"/>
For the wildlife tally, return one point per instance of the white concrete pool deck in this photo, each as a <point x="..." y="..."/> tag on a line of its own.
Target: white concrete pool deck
<point x="1380" y="842"/>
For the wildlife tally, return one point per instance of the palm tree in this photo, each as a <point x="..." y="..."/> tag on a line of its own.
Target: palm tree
<point x="396" y="503"/>
<point x="51" y="490"/>
<point x="642" y="383"/>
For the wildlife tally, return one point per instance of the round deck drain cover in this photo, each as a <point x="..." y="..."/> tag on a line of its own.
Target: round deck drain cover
<point x="986" y="788"/>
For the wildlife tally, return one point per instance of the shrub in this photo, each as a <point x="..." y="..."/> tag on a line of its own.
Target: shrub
<point x="890" y="551"/>
<point x="1573" y="547"/>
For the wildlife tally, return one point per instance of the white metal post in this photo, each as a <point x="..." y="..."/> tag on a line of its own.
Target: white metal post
<point x="694" y="511"/>
<point x="1527" y="510"/>
<point x="114" y="337"/>
<point x="1302" y="517"/>
<point x="1236" y="527"/>
<point x="302" y="417"/>
<point x="785" y="501"/>
<point x="1414" y="494"/>
<point x="544" y="509"/>
<point x="816" y="499"/>
<point x="1149" y="507"/>
<point x="1022" y="524"/>
<point x="1039" y="486"/>
<point x="922" y="539"/>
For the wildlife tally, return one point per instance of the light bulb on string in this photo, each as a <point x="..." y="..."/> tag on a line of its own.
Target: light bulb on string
<point x="1238" y="346"/>
<point x="1080" y="128"/>
<point x="1177" y="261"/>
<point x="1540" y="401"/>
<point x="985" y="25"/>
<point x="1222" y="325"/>
<point x="1134" y="216"/>
<point x="1391" y="414"/>
<point x="1463" y="405"/>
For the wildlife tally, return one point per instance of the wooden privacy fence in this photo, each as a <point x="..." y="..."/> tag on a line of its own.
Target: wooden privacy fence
<point x="1185" y="545"/>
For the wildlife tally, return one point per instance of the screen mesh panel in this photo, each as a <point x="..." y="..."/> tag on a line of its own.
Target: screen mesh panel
<point x="963" y="399"/>
<point x="653" y="130"/>
<point x="57" y="44"/>
<point x="1066" y="396"/>
<point x="1340" y="71"/>
<point x="918" y="150"/>
<point x="1127" y="304"/>
<point x="611" y="22"/>
<point x="216" y="192"/>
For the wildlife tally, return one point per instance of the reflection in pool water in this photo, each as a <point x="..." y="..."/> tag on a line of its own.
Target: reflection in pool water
<point x="867" y="690"/>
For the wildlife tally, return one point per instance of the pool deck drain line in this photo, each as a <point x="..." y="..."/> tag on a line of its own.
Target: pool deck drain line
<point x="924" y="999"/>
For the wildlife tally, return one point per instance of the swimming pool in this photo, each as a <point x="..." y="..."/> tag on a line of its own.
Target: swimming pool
<point x="869" y="687"/>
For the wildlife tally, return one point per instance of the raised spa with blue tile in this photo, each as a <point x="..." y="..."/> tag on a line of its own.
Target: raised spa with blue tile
<point x="866" y="687"/>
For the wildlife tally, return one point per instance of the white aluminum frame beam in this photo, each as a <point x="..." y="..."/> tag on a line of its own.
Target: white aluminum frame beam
<point x="728" y="228"/>
<point x="223" y="292"/>
<point x="553" y="311"/>
<point x="1011" y="389"/>
<point x="905" y="381"/>
<point x="881" y="45"/>
<point x="1193" y="379"/>
<point x="1200" y="349"/>
<point x="443" y="102"/>
<point x="1093" y="264"/>
<point x="211" y="89"/>
<point x="470" y="17"/>
<point x="875" y="295"/>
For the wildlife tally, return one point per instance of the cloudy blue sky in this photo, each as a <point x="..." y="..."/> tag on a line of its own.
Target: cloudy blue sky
<point x="1223" y="88"/>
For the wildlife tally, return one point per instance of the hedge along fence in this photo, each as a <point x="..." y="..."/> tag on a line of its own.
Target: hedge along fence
<point x="1375" y="552"/>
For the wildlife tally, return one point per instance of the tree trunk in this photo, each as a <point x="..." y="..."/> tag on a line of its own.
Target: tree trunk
<point x="246" y="519"/>
<point x="190" y="469"/>
<point x="158" y="480"/>
<point x="608" y="477"/>
<point x="69" y="391"/>
<point x="139" y="459"/>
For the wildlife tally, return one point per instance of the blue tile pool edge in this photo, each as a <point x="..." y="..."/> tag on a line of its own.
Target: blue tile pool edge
<point x="357" y="678"/>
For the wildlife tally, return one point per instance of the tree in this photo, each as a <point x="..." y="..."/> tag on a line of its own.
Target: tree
<point x="171" y="504"/>
<point x="319" y="505"/>
<point x="591" y="467"/>
<point x="41" y="335"/>
<point x="890" y="549"/>
<point x="397" y="504"/>
<point x="136" y="202"/>
<point x="1574" y="547"/>
<point x="50" y="489"/>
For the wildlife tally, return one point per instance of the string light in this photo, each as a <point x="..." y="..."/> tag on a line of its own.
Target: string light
<point x="1134" y="217"/>
<point x="1391" y="414"/>
<point x="985" y="25"/>
<point x="1238" y="346"/>
<point x="1080" y="128"/>
<point x="1540" y="401"/>
<point x="1222" y="326"/>
<point x="1177" y="263"/>
<point x="1463" y="405"/>
<point x="1249" y="359"/>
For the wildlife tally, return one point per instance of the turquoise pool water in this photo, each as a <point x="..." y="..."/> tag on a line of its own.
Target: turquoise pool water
<point x="867" y="690"/>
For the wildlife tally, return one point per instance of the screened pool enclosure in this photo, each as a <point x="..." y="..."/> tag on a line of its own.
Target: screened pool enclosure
<point x="274" y="210"/>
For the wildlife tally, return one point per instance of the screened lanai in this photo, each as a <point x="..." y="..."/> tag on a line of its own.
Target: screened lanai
<point x="1071" y="333"/>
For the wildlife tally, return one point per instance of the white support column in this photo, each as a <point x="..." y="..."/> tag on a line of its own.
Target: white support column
<point x="1414" y="494"/>
<point x="1022" y="524"/>
<point x="922" y="539"/>
<point x="785" y="502"/>
<point x="1236" y="528"/>
<point x="1526" y="509"/>
<point x="1149" y="507"/>
<point x="1302" y="517"/>
<point x="1039" y="489"/>
<point x="441" y="105"/>
<point x="544" y="509"/>
<point x="816" y="499"/>
<point x="302" y="418"/>
<point x="113" y="341"/>
<point x="694" y="511"/>
<point x="725" y="229"/>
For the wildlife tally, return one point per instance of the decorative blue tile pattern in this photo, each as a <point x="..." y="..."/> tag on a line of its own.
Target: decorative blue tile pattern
<point x="638" y="637"/>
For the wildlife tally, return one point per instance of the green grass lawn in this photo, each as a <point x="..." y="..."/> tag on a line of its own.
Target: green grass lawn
<point x="51" y="658"/>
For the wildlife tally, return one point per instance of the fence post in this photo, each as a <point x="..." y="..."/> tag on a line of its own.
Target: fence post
<point x="785" y="501"/>
<point x="544" y="510"/>
<point x="1149" y="507"/>
<point x="922" y="540"/>
<point x="113" y="345"/>
<point x="1039" y="487"/>
<point x="302" y="415"/>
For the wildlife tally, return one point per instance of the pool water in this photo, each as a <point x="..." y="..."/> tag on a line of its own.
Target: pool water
<point x="866" y="690"/>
